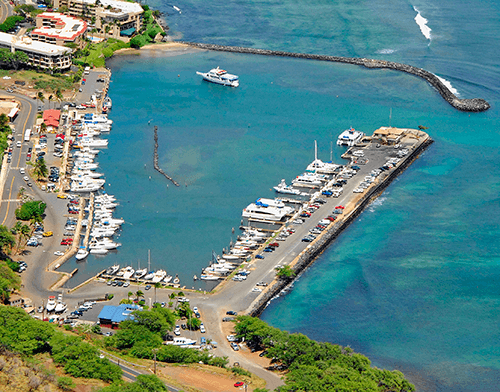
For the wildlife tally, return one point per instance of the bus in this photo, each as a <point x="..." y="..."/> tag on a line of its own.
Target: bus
<point x="27" y="135"/>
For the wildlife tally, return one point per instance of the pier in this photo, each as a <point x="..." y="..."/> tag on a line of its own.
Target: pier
<point x="155" y="159"/>
<point x="466" y="105"/>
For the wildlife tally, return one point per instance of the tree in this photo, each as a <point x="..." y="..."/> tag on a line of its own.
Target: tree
<point x="50" y="99"/>
<point x="6" y="238"/>
<point x="43" y="128"/>
<point x="143" y="383"/>
<point x="193" y="323"/>
<point x="40" y="169"/>
<point x="59" y="95"/>
<point x="139" y="294"/>
<point x="9" y="281"/>
<point x="19" y="58"/>
<point x="31" y="210"/>
<point x="285" y="272"/>
<point x="41" y="97"/>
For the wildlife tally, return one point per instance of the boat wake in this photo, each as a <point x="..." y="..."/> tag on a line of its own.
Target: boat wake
<point x="448" y="84"/>
<point x="422" y="23"/>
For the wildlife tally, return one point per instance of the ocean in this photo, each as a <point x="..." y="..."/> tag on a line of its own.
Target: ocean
<point x="413" y="282"/>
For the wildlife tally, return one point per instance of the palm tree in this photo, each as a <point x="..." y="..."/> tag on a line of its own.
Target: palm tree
<point x="59" y="96"/>
<point x="139" y="294"/>
<point x="40" y="169"/>
<point x="24" y="234"/>
<point x="130" y="294"/>
<point x="157" y="285"/>
<point x="50" y="99"/>
<point x="172" y="297"/>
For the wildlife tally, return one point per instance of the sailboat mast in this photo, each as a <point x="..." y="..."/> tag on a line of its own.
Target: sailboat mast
<point x="315" y="150"/>
<point x="149" y="260"/>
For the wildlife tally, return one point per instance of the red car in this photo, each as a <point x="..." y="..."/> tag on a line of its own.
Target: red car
<point x="239" y="384"/>
<point x="340" y="207"/>
<point x="274" y="245"/>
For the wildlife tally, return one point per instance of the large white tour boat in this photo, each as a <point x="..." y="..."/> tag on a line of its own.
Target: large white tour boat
<point x="349" y="137"/>
<point x="220" y="76"/>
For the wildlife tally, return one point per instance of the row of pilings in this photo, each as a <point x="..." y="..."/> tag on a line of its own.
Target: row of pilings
<point x="155" y="160"/>
<point x="466" y="105"/>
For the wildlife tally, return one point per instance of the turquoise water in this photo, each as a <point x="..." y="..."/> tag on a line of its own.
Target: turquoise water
<point x="413" y="283"/>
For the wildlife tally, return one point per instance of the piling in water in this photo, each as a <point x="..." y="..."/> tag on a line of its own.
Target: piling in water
<point x="155" y="160"/>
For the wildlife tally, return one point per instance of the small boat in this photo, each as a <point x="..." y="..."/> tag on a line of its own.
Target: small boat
<point x="128" y="272"/>
<point x="112" y="270"/>
<point x="159" y="275"/>
<point x="176" y="280"/>
<point x="81" y="254"/>
<point x="140" y="273"/>
<point x="220" y="76"/>
<point x="168" y="279"/>
<point x="149" y="275"/>
<point x="282" y="187"/>
<point x="350" y="137"/>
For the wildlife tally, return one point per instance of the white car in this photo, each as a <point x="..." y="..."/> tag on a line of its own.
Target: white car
<point x="177" y="330"/>
<point x="256" y="290"/>
<point x="26" y="178"/>
<point x="231" y="338"/>
<point x="183" y="299"/>
<point x="195" y="310"/>
<point x="59" y="253"/>
<point x="202" y="328"/>
<point x="22" y="170"/>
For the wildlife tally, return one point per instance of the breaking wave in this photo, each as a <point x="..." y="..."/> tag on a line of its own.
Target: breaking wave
<point x="448" y="84"/>
<point x="422" y="23"/>
<point x="385" y="51"/>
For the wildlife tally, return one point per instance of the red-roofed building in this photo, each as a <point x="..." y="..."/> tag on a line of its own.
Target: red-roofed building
<point x="59" y="29"/>
<point x="51" y="117"/>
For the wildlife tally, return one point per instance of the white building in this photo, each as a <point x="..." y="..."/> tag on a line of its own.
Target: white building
<point x="40" y="54"/>
<point x="59" y="29"/>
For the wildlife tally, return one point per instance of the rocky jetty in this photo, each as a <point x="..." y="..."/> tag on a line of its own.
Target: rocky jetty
<point x="466" y="105"/>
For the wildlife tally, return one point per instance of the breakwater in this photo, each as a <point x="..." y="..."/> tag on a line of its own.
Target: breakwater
<point x="466" y="105"/>
<point x="306" y="258"/>
<point x="155" y="160"/>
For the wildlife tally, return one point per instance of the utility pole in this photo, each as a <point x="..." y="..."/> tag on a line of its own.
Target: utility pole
<point x="155" y="350"/>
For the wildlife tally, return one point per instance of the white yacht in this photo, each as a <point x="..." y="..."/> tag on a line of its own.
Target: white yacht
<point x="149" y="275"/>
<point x="140" y="273"/>
<point x="180" y="341"/>
<point x="210" y="277"/>
<point x="220" y="76"/>
<point x="86" y="173"/>
<point x="282" y="187"/>
<point x="88" y="142"/>
<point x="85" y="187"/>
<point x="105" y="243"/>
<point x="267" y="209"/>
<point x="60" y="307"/>
<point x="349" y="137"/>
<point x="99" y="251"/>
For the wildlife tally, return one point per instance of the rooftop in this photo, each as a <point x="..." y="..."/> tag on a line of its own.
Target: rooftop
<point x="66" y="27"/>
<point x="117" y="314"/>
<point x="27" y="44"/>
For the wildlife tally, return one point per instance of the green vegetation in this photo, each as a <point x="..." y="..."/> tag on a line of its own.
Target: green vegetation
<point x="96" y="54"/>
<point x="318" y="367"/>
<point x="10" y="23"/>
<point x="12" y="60"/>
<point x="66" y="383"/>
<point x="148" y="32"/>
<point x="5" y="131"/>
<point x="9" y="281"/>
<point x="28" y="9"/>
<point x="285" y="272"/>
<point x="27" y="336"/>
<point x="39" y="167"/>
<point x="31" y="211"/>
<point x="143" y="383"/>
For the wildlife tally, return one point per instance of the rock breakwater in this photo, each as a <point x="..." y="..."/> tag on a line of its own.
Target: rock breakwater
<point x="466" y="105"/>
<point x="155" y="160"/>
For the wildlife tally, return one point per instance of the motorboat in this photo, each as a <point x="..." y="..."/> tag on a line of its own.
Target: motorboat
<point x="180" y="341"/>
<point x="128" y="273"/>
<point x="282" y="187"/>
<point x="168" y="279"/>
<point x="112" y="270"/>
<point x="86" y="173"/>
<point x="105" y="243"/>
<point x="149" y="275"/>
<point x="210" y="277"/>
<point x="159" y="275"/>
<point x="99" y="251"/>
<point x="232" y="257"/>
<point x="81" y="254"/>
<point x="350" y="137"/>
<point x="255" y="233"/>
<point x="220" y="76"/>
<point x="94" y="142"/>
<point x="140" y="273"/>
<point x="60" y="307"/>
<point x="51" y="304"/>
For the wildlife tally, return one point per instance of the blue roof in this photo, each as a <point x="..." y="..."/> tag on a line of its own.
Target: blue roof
<point x="118" y="313"/>
<point x="128" y="32"/>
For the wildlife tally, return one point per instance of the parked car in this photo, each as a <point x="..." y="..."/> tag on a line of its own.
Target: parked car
<point x="231" y="313"/>
<point x="235" y="347"/>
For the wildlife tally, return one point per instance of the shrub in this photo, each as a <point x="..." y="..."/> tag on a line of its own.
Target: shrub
<point x="66" y="383"/>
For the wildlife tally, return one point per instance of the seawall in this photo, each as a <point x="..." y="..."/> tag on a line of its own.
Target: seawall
<point x="466" y="105"/>
<point x="319" y="246"/>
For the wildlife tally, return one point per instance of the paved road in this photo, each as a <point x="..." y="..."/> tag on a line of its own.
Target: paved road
<point x="5" y="10"/>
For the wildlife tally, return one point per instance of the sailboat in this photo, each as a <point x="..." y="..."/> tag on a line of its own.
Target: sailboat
<point x="318" y="166"/>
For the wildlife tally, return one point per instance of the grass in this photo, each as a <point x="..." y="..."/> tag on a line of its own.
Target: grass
<point x="99" y="52"/>
<point x="41" y="81"/>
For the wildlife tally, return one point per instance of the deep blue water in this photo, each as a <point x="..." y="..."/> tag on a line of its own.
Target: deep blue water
<point x="413" y="283"/>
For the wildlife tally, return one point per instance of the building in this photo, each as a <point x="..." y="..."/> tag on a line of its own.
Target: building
<point x="51" y="118"/>
<point x="9" y="107"/>
<point x="59" y="29"/>
<point x="40" y="54"/>
<point x="113" y="18"/>
<point x="112" y="316"/>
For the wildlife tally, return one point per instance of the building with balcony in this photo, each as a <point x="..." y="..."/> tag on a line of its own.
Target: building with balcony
<point x="40" y="54"/>
<point x="59" y="29"/>
<point x="112" y="17"/>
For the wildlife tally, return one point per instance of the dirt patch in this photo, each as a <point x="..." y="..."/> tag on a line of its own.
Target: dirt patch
<point x="200" y="379"/>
